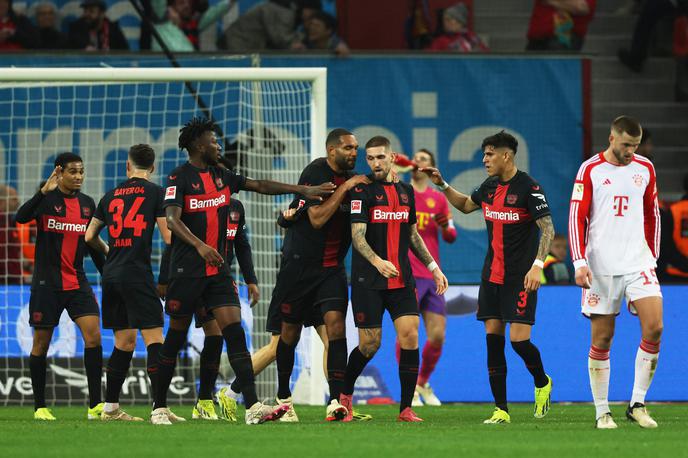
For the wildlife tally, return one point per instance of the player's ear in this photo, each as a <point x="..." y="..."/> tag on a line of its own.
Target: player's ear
<point x="128" y="166"/>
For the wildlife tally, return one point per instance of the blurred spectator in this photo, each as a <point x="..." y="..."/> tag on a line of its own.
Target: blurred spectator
<point x="16" y="31"/>
<point x="455" y="35"/>
<point x="559" y="25"/>
<point x="269" y="25"/>
<point x="10" y="246"/>
<point x="184" y="20"/>
<point x="555" y="271"/>
<point x="650" y="14"/>
<point x="646" y="147"/>
<point x="94" y="31"/>
<point x="321" y="33"/>
<point x="672" y="265"/>
<point x="49" y="34"/>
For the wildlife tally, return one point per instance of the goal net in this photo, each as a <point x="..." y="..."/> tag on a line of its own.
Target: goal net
<point x="273" y="121"/>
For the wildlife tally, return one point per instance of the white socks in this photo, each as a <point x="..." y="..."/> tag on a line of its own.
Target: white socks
<point x="645" y="365"/>
<point x="598" y="371"/>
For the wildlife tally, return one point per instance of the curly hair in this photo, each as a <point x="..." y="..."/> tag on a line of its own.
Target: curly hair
<point x="193" y="130"/>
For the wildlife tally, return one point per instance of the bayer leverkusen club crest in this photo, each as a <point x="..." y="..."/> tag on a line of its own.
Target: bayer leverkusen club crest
<point x="511" y="199"/>
<point x="234" y="216"/>
<point x="218" y="182"/>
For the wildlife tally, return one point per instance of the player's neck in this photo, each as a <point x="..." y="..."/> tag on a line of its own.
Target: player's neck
<point x="333" y="166"/>
<point x="508" y="174"/>
<point x="144" y="175"/>
<point x="198" y="162"/>
<point x="610" y="157"/>
<point x="66" y="191"/>
<point x="419" y="184"/>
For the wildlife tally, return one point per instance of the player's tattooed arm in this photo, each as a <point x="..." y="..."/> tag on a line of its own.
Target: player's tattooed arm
<point x="358" y="240"/>
<point x="418" y="246"/>
<point x="274" y="187"/>
<point x="546" y="236"/>
<point x="369" y="340"/>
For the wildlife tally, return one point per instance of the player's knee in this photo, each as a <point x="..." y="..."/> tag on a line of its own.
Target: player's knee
<point x="436" y="337"/>
<point x="653" y="331"/>
<point x="336" y="330"/>
<point x="603" y="340"/>
<point x="40" y="346"/>
<point x="369" y="347"/>
<point x="290" y="334"/>
<point x="92" y="338"/>
<point x="408" y="338"/>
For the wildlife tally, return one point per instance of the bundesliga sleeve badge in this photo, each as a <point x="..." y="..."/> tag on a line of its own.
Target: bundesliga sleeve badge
<point x="577" y="191"/>
<point x="355" y="206"/>
<point x="170" y="192"/>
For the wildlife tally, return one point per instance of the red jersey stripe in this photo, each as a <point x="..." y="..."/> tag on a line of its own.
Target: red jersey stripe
<point x="393" y="232"/>
<point x="70" y="243"/>
<point x="211" y="223"/>
<point x="497" y="266"/>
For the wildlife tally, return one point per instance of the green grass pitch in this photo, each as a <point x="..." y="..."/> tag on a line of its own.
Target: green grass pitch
<point x="448" y="431"/>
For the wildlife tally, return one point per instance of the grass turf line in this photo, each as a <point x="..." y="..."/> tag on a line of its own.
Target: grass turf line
<point x="456" y="430"/>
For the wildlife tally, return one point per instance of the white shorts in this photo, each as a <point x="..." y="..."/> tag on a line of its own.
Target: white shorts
<point x="607" y="292"/>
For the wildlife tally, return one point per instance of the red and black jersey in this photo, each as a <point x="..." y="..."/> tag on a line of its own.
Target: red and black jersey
<point x="389" y="209"/>
<point x="510" y="210"/>
<point x="237" y="241"/>
<point x="61" y="222"/>
<point x="327" y="246"/>
<point x="129" y="211"/>
<point x="203" y="195"/>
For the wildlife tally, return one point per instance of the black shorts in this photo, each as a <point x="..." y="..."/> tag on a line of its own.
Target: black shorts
<point x="507" y="302"/>
<point x="46" y="305"/>
<point x="302" y="295"/>
<point x="131" y="306"/>
<point x="186" y="294"/>
<point x="370" y="304"/>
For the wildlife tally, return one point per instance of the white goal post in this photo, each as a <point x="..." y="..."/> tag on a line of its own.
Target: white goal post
<point x="273" y="119"/>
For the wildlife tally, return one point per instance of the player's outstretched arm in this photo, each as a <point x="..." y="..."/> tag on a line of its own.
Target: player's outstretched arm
<point x="93" y="239"/>
<point x="179" y="229"/>
<point x="274" y="187"/>
<point x="531" y="282"/>
<point x="460" y="201"/>
<point x="358" y="240"/>
<point x="421" y="251"/>
<point x="319" y="215"/>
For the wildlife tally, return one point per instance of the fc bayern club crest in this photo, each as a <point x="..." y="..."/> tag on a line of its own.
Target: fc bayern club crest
<point x="593" y="299"/>
<point x="218" y="182"/>
<point x="234" y="216"/>
<point x="638" y="180"/>
<point x="87" y="211"/>
<point x="511" y="199"/>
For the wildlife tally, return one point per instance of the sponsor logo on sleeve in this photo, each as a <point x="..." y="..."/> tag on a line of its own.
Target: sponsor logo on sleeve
<point x="356" y="206"/>
<point x="171" y="192"/>
<point x="577" y="191"/>
<point x="301" y="203"/>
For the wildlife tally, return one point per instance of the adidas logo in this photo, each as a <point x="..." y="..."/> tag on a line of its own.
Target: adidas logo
<point x="606" y="181"/>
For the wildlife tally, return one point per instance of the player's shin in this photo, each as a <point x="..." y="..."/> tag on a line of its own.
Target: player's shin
<point x="496" y="368"/>
<point x="285" y="366"/>
<point x="598" y="371"/>
<point x="240" y="360"/>
<point x="167" y="360"/>
<point x="408" y="375"/>
<point x="37" y="366"/>
<point x="210" y="366"/>
<point x="357" y="362"/>
<point x="530" y="355"/>
<point x="93" y="363"/>
<point x="336" y="367"/>
<point x="152" y="356"/>
<point x="431" y="355"/>
<point x="645" y="366"/>
<point x="117" y="368"/>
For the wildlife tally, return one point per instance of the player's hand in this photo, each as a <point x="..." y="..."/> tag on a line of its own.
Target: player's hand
<point x="289" y="214"/>
<point x="442" y="220"/>
<point x="440" y="281"/>
<point x="162" y="291"/>
<point x="51" y="182"/>
<point x="356" y="180"/>
<point x="532" y="280"/>
<point x="210" y="255"/>
<point x="434" y="174"/>
<point x="253" y="293"/>
<point x="584" y="277"/>
<point x="319" y="191"/>
<point x="386" y="268"/>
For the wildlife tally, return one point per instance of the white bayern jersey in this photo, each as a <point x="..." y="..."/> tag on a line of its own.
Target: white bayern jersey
<point x="614" y="216"/>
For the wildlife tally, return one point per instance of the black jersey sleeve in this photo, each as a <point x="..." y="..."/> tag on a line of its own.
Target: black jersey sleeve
<point x="97" y="257"/>
<point x="29" y="211"/>
<point x="537" y="201"/>
<point x="412" y="205"/>
<point x="235" y="181"/>
<point x="175" y="189"/>
<point x="477" y="195"/>
<point x="359" y="204"/>
<point x="311" y="176"/>
<point x="242" y="249"/>
<point x="100" y="209"/>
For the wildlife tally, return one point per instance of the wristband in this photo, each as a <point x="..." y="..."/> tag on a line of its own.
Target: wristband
<point x="443" y="186"/>
<point x="539" y="263"/>
<point x="432" y="266"/>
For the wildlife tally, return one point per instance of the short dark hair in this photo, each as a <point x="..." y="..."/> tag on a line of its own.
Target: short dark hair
<point x="378" y="140"/>
<point x="65" y="158"/>
<point x="627" y="124"/>
<point x="334" y="137"/>
<point x="501" y="139"/>
<point x="142" y="156"/>
<point x="193" y="130"/>
<point x="429" y="153"/>
<point x="327" y="19"/>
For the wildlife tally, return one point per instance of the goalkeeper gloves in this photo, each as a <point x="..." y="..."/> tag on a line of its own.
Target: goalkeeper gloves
<point x="442" y="220"/>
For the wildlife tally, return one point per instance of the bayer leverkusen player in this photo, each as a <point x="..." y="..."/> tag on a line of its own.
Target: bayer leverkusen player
<point x="62" y="213"/>
<point x="196" y="202"/>
<point x="383" y="229"/>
